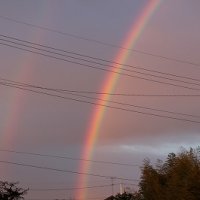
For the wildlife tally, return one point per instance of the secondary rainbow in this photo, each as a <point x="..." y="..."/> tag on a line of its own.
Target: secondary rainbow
<point x="108" y="86"/>
<point x="23" y="72"/>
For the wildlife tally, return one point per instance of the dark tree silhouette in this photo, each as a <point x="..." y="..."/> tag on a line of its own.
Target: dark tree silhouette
<point x="10" y="191"/>
<point x="178" y="178"/>
<point x="126" y="196"/>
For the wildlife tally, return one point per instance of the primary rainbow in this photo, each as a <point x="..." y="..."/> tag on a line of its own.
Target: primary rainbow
<point x="108" y="86"/>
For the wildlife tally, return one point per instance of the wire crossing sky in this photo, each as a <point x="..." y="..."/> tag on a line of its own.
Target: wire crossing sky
<point x="99" y="42"/>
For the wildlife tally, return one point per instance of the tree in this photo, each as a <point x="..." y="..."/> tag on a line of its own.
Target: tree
<point x="126" y="196"/>
<point x="10" y="191"/>
<point x="176" y="178"/>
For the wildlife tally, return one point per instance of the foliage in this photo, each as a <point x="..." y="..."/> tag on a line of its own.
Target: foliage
<point x="10" y="191"/>
<point x="125" y="196"/>
<point x="178" y="178"/>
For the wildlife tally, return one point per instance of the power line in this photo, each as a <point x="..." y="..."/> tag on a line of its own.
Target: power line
<point x="92" y="198"/>
<point x="95" y="58"/>
<point x="100" y="42"/>
<point x="68" y="158"/>
<point x="102" y="69"/>
<point x="103" y="105"/>
<point x="62" y="170"/>
<point x="101" y="93"/>
<point x="73" y="188"/>
<point x="94" y="62"/>
<point x="138" y="106"/>
<point x="102" y="100"/>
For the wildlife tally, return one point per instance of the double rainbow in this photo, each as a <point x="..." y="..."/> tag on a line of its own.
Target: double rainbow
<point x="108" y="86"/>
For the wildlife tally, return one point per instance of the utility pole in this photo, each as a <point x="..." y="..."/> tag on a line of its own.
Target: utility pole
<point x="121" y="188"/>
<point x="112" y="184"/>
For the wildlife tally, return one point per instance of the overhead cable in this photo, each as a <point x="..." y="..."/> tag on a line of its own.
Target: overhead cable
<point x="94" y="58"/>
<point x="102" y="100"/>
<point x="75" y="188"/>
<point x="103" y="105"/>
<point x="62" y="170"/>
<point x="102" y="93"/>
<point x="69" y="158"/>
<point x="99" y="42"/>
<point x="103" y="69"/>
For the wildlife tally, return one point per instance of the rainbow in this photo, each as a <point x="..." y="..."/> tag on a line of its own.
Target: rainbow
<point x="108" y="86"/>
<point x="24" y="72"/>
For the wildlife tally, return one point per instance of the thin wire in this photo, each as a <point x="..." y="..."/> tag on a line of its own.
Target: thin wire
<point x="103" y="93"/>
<point x="100" y="42"/>
<point x="79" y="188"/>
<point x="75" y="188"/>
<point x="92" y="62"/>
<point x="138" y="106"/>
<point x="99" y="59"/>
<point x="62" y="170"/>
<point x="69" y="158"/>
<point x="102" y="69"/>
<point x="106" y="101"/>
<point x="104" y="105"/>
<point x="92" y="198"/>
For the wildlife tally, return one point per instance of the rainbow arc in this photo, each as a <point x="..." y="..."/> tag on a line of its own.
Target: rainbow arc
<point x="109" y="85"/>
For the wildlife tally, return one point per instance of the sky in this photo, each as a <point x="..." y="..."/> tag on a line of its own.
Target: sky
<point x="38" y="123"/>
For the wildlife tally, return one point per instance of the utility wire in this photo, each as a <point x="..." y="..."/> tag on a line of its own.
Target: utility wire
<point x="103" y="105"/>
<point x="78" y="188"/>
<point x="62" y="170"/>
<point x="95" y="58"/>
<point x="101" y="93"/>
<point x="102" y="69"/>
<point x="75" y="188"/>
<point x="105" y="101"/>
<point x="92" y="198"/>
<point x="69" y="158"/>
<point x="94" y="62"/>
<point x="99" y="42"/>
